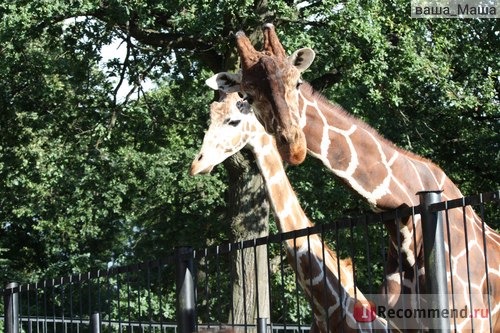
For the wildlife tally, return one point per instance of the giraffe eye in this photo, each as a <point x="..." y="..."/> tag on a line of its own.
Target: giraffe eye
<point x="232" y="122"/>
<point x="248" y="98"/>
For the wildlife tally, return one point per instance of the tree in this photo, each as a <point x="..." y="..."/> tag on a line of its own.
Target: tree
<point x="86" y="177"/>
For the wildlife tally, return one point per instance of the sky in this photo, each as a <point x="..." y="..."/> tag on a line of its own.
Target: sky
<point x="117" y="49"/>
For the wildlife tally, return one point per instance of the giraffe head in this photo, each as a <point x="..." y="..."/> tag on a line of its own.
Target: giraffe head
<point x="270" y="81"/>
<point x="232" y="127"/>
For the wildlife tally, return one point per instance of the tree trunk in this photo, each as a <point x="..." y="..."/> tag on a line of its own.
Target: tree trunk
<point x="249" y="214"/>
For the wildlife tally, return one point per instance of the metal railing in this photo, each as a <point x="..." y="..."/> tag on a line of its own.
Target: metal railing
<point x="190" y="290"/>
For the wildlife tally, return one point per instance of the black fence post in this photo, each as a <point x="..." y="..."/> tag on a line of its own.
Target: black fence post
<point x="434" y="259"/>
<point x="185" y="291"/>
<point x="95" y="323"/>
<point x="261" y="325"/>
<point x="11" y="308"/>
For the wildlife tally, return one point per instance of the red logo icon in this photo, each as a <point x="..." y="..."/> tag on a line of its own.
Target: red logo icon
<point x="364" y="311"/>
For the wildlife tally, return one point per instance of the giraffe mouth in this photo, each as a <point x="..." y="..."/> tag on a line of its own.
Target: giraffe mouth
<point x="194" y="171"/>
<point x="204" y="171"/>
<point x="199" y="168"/>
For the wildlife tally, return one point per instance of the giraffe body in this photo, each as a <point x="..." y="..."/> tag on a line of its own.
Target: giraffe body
<point x="389" y="177"/>
<point x="326" y="280"/>
<point x="386" y="176"/>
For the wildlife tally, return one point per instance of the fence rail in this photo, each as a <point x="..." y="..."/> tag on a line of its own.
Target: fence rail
<point x="83" y="325"/>
<point x="192" y="289"/>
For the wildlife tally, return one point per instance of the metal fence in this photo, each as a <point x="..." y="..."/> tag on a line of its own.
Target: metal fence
<point x="191" y="290"/>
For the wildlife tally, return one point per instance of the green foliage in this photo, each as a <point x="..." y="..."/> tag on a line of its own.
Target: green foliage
<point x="131" y="302"/>
<point x="86" y="181"/>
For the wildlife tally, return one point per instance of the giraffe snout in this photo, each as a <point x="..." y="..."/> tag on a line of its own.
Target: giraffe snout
<point x="200" y="166"/>
<point x="292" y="146"/>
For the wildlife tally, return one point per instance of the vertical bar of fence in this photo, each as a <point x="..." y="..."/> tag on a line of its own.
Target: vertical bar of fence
<point x="261" y="325"/>
<point x="434" y="259"/>
<point x="185" y="290"/>
<point x="11" y="308"/>
<point x="95" y="323"/>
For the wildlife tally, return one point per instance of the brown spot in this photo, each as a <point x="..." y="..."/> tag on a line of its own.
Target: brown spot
<point x="338" y="151"/>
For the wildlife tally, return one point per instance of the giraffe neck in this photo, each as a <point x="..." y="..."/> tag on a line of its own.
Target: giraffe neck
<point x="284" y="201"/>
<point x="331" y="292"/>
<point x="385" y="175"/>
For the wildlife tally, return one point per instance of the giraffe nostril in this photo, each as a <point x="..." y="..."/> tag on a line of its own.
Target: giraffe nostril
<point x="283" y="139"/>
<point x="200" y="157"/>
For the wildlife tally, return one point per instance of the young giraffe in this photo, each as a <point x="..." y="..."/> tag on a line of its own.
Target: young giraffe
<point x="386" y="176"/>
<point x="233" y="126"/>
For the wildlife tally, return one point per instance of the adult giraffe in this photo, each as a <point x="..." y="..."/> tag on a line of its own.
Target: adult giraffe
<point x="327" y="281"/>
<point x="386" y="176"/>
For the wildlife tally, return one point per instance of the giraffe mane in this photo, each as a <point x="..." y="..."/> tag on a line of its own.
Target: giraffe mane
<point x="336" y="108"/>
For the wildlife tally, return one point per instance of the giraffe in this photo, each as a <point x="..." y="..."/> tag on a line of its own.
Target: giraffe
<point x="331" y="291"/>
<point x="386" y="176"/>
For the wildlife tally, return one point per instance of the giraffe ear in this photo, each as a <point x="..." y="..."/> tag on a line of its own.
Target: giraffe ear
<point x="302" y="58"/>
<point x="226" y="82"/>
